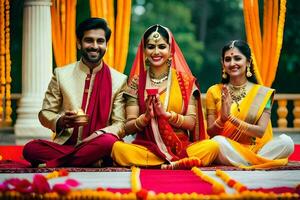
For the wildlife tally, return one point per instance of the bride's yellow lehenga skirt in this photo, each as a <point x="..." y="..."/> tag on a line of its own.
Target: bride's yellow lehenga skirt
<point x="126" y="154"/>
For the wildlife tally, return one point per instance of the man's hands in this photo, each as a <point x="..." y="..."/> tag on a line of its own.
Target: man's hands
<point x="67" y="120"/>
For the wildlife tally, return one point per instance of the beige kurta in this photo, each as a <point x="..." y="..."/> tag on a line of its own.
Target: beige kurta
<point x="65" y="92"/>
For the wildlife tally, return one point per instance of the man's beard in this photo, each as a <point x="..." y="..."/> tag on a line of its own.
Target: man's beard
<point x="92" y="59"/>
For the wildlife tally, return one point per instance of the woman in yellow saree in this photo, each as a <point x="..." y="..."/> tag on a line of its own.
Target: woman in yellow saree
<point x="167" y="122"/>
<point x="238" y="115"/>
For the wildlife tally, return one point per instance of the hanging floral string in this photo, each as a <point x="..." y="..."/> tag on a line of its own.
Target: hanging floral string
<point x="63" y="22"/>
<point x="117" y="50"/>
<point x="2" y="58"/>
<point x="5" y="64"/>
<point x="266" y="48"/>
<point x="8" y="109"/>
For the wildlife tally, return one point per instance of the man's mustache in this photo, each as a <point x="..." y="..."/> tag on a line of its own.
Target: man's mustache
<point x="93" y="50"/>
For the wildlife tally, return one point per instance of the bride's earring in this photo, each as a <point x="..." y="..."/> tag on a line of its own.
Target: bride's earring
<point x="224" y="75"/>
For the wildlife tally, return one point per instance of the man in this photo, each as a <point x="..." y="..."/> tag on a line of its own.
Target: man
<point x="92" y="86"/>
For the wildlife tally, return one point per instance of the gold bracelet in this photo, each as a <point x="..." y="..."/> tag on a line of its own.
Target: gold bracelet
<point x="242" y="126"/>
<point x="141" y="122"/>
<point x="137" y="126"/>
<point x="219" y="123"/>
<point x="179" y="121"/>
<point x="173" y="117"/>
<point x="176" y="119"/>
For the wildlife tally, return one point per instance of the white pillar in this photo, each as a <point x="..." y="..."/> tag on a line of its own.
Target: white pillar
<point x="36" y="69"/>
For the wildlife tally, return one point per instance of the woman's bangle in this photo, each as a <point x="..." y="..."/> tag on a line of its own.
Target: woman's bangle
<point x="173" y="118"/>
<point x="219" y="123"/>
<point x="176" y="119"/>
<point x="240" y="124"/>
<point x="141" y="122"/>
<point x="137" y="126"/>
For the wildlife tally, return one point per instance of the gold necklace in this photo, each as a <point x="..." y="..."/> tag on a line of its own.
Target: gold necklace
<point x="237" y="93"/>
<point x="163" y="75"/>
<point x="159" y="79"/>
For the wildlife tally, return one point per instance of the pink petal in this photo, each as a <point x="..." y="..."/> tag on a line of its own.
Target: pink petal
<point x="40" y="184"/>
<point x="20" y="185"/>
<point x="3" y="187"/>
<point x="61" y="188"/>
<point x="72" y="182"/>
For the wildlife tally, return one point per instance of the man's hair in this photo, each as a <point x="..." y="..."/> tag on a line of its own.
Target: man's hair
<point x="93" y="23"/>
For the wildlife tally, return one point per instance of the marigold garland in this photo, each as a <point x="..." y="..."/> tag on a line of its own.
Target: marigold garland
<point x="217" y="187"/>
<point x="135" y="179"/>
<point x="243" y="190"/>
<point x="63" y="22"/>
<point x="184" y="163"/>
<point x="231" y="182"/>
<point x="5" y="63"/>
<point x="280" y="29"/>
<point x="56" y="174"/>
<point x="8" y="109"/>
<point x="2" y="57"/>
<point x="266" y="61"/>
<point x="120" y="26"/>
<point x="41" y="189"/>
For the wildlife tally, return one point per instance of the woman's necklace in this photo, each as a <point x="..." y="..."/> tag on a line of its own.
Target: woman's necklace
<point x="237" y="93"/>
<point x="160" y="79"/>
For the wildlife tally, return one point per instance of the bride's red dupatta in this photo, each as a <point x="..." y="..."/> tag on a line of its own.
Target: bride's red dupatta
<point x="185" y="77"/>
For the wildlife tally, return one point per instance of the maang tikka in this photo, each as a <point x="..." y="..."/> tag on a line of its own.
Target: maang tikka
<point x="155" y="36"/>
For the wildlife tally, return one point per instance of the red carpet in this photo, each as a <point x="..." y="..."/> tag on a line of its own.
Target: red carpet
<point x="186" y="181"/>
<point x="12" y="153"/>
<point x="175" y="181"/>
<point x="296" y="155"/>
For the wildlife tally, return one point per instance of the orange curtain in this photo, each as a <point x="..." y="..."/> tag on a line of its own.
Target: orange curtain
<point x="120" y="25"/>
<point x="5" y="64"/>
<point x="63" y="22"/>
<point x="265" y="47"/>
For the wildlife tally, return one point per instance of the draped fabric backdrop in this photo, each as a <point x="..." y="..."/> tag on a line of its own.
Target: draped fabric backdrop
<point x="63" y="22"/>
<point x="120" y="25"/>
<point x="63" y="14"/>
<point x="265" y="47"/>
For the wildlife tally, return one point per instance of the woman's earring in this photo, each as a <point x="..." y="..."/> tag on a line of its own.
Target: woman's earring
<point x="248" y="74"/>
<point x="147" y="62"/>
<point x="224" y="75"/>
<point x="169" y="62"/>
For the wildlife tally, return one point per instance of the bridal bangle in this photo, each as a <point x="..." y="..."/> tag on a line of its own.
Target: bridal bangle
<point x="219" y="123"/>
<point x="176" y="119"/>
<point x="141" y="122"/>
